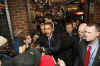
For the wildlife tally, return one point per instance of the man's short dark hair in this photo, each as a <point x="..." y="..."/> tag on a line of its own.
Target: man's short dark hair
<point x="97" y="25"/>
<point x="69" y="23"/>
<point x="51" y="24"/>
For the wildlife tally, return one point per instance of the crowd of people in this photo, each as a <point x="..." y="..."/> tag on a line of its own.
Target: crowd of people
<point x="70" y="43"/>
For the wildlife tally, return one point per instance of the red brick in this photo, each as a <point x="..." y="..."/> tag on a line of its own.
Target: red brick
<point x="18" y="14"/>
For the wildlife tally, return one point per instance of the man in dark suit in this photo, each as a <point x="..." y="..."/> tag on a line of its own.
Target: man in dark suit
<point x="78" y="43"/>
<point x="90" y="54"/>
<point x="67" y="47"/>
<point x="51" y="41"/>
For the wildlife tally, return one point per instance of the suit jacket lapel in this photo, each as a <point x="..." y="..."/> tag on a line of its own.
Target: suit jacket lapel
<point x="84" y="50"/>
<point x="97" y="56"/>
<point x="52" y="40"/>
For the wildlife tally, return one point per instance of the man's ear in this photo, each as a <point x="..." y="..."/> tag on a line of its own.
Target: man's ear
<point x="53" y="29"/>
<point x="98" y="34"/>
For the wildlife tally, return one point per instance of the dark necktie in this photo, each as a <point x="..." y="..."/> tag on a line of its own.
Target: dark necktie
<point x="86" y="61"/>
<point x="49" y="42"/>
<point x="70" y="34"/>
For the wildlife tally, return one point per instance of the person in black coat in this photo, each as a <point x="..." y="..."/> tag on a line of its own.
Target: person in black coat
<point x="51" y="41"/>
<point x="68" y="43"/>
<point x="79" y="39"/>
<point x="92" y="31"/>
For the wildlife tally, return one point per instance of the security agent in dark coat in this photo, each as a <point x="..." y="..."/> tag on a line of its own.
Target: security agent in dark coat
<point x="92" y="31"/>
<point x="80" y="59"/>
<point x="79" y="43"/>
<point x="30" y="58"/>
<point x="67" y="49"/>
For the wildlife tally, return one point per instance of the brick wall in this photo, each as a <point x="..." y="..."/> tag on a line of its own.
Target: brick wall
<point x="18" y="13"/>
<point x="94" y="11"/>
<point x="97" y="11"/>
